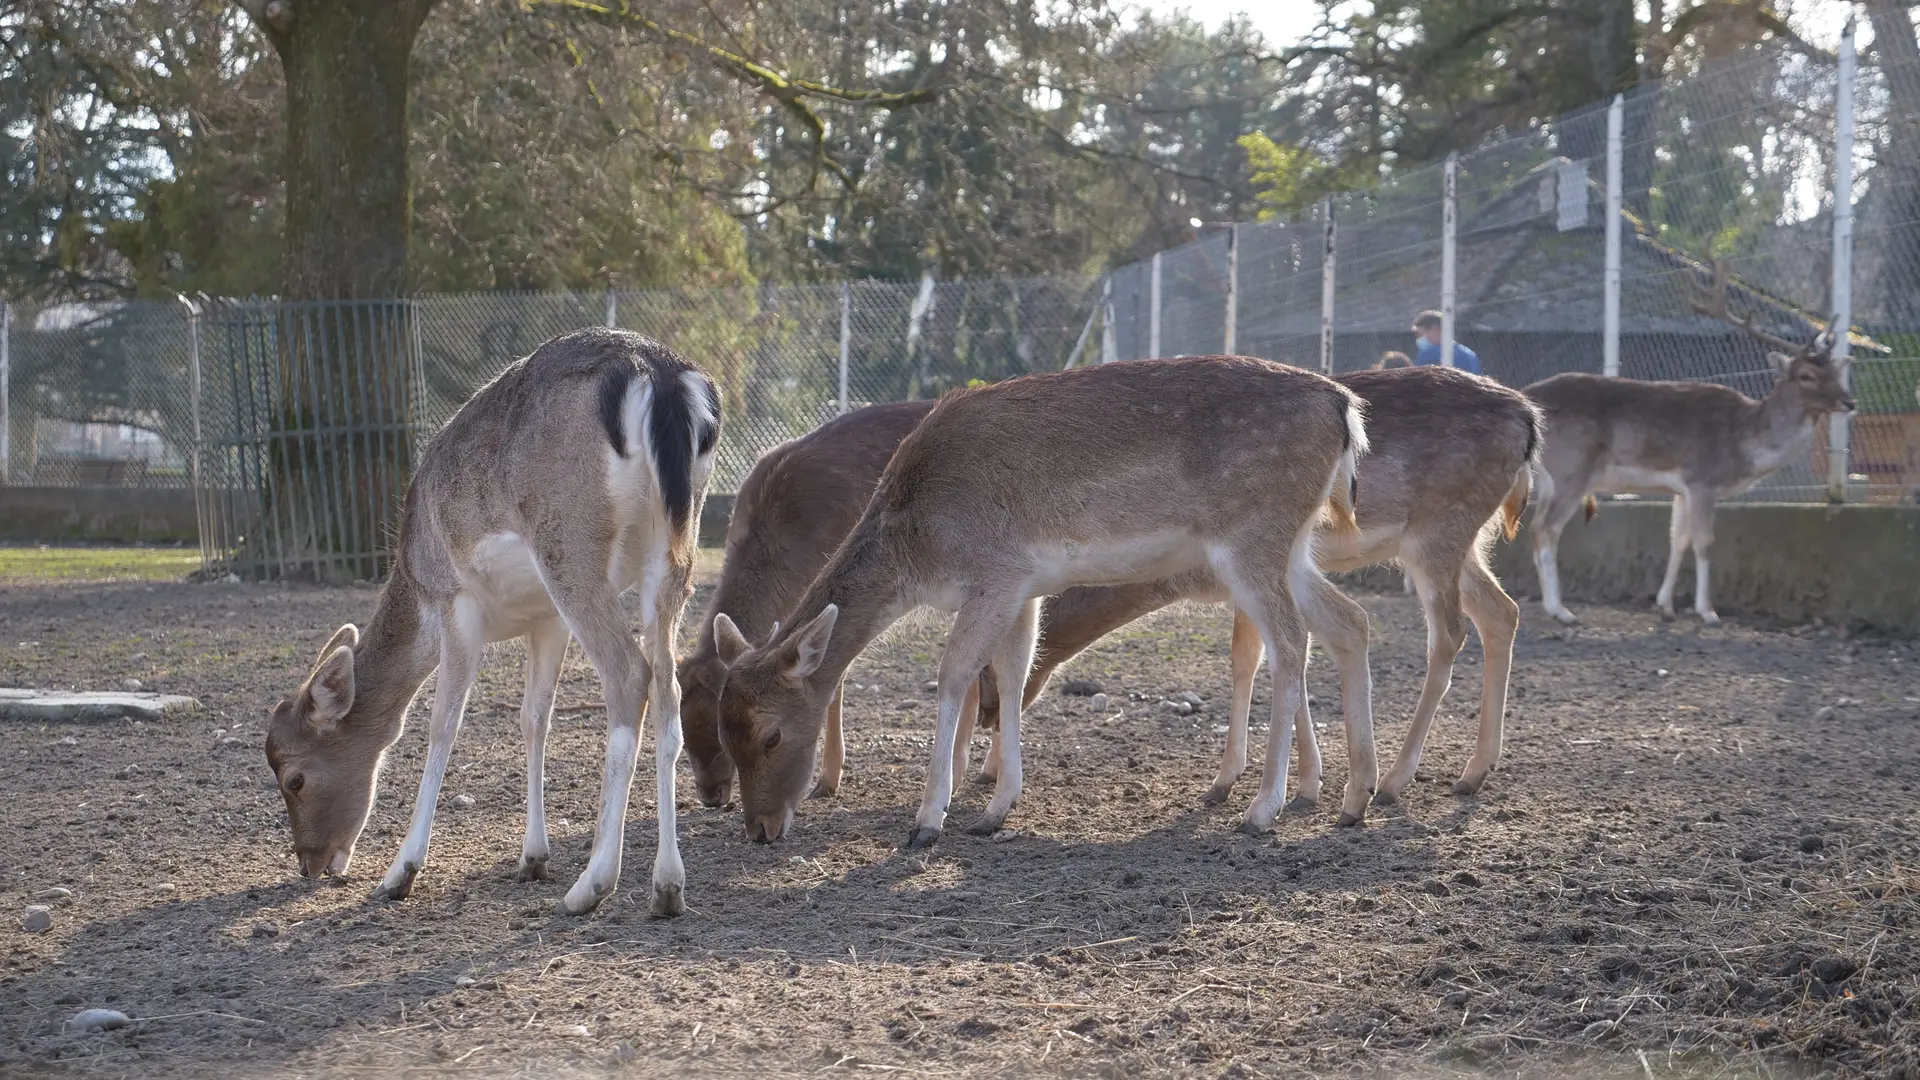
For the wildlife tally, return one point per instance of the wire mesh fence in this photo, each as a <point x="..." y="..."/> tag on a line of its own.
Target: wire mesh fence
<point x="296" y="424"/>
<point x="1735" y="165"/>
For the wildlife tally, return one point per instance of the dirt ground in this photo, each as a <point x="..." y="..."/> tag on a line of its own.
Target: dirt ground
<point x="1698" y="857"/>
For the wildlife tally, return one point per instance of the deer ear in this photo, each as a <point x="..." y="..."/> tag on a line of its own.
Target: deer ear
<point x="347" y="635"/>
<point x="328" y="695"/>
<point x="809" y="645"/>
<point x="728" y="639"/>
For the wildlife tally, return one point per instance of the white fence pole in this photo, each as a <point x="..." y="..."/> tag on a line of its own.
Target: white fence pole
<point x="205" y="501"/>
<point x="846" y="342"/>
<point x="6" y="371"/>
<point x="1109" y="340"/>
<point x="1326" y="287"/>
<point x="1449" y="218"/>
<point x="1153" y="314"/>
<point x="1229" y="341"/>
<point x="1839" y="431"/>
<point x="1610" y="317"/>
<point x="613" y="309"/>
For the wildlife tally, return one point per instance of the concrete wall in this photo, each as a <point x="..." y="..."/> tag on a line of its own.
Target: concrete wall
<point x="48" y="514"/>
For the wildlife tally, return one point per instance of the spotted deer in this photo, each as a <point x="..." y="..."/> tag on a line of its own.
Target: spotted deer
<point x="575" y="475"/>
<point x="1104" y="475"/>
<point x="1447" y="472"/>
<point x="1698" y="442"/>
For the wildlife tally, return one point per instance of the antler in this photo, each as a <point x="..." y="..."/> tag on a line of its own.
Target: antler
<point x="1711" y="300"/>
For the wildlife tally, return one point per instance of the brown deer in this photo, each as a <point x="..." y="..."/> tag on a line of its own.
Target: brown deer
<point x="792" y="511"/>
<point x="574" y="475"/>
<point x="1104" y="475"/>
<point x="1698" y="442"/>
<point x="1448" y="469"/>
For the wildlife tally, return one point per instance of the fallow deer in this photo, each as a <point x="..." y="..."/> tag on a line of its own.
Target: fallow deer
<point x="574" y="475"/>
<point x="1104" y="475"/>
<point x="792" y="511"/>
<point x="1698" y="442"/>
<point x="1448" y="469"/>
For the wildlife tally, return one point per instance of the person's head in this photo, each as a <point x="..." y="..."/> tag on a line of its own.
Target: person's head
<point x="1393" y="359"/>
<point x="1427" y="325"/>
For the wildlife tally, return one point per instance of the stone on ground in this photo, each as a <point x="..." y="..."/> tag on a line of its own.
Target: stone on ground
<point x="54" y="705"/>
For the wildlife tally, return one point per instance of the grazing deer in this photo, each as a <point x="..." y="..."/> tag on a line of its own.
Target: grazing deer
<point x="1698" y="442"/>
<point x="1448" y="468"/>
<point x="794" y="508"/>
<point x="574" y="475"/>
<point x="1103" y="475"/>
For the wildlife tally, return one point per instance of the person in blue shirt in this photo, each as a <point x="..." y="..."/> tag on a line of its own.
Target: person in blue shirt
<point x="1426" y="326"/>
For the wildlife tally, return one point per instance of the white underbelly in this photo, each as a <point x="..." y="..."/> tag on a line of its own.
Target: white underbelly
<point x="501" y="577"/>
<point x="1149" y="557"/>
<point x="1620" y="478"/>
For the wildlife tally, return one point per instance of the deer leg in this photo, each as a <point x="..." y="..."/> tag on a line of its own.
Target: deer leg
<point x="1307" y="795"/>
<point x="461" y="642"/>
<point x="1497" y="618"/>
<point x="1679" y="536"/>
<point x="963" y="739"/>
<point x="1446" y="633"/>
<point x="977" y="630"/>
<point x="663" y="629"/>
<point x="1560" y="502"/>
<point x="1341" y="625"/>
<point x="833" y="754"/>
<point x="1246" y="664"/>
<point x="1010" y="663"/>
<point x="1700" y="516"/>
<point x="546" y="648"/>
<point x="1260" y="592"/>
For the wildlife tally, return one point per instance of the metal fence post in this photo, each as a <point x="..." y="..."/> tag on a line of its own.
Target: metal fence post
<point x="613" y="309"/>
<point x="1153" y="311"/>
<point x="1610" y="317"/>
<point x="1839" y="431"/>
<point x="203" y="500"/>
<point x="1109" y="340"/>
<point x="1229" y="341"/>
<point x="1449" y="218"/>
<point x="6" y="404"/>
<point x="1326" y="287"/>
<point x="846" y="339"/>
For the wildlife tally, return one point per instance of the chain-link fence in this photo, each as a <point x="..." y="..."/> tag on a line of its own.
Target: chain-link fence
<point x="269" y="411"/>
<point x="1736" y="165"/>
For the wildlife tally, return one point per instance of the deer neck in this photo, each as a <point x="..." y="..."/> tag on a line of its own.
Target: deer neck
<point x="396" y="653"/>
<point x="865" y="579"/>
<point x="753" y="597"/>
<point x="1782" y="418"/>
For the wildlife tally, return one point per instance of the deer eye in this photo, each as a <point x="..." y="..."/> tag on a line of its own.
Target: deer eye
<point x="773" y="740"/>
<point x="299" y="781"/>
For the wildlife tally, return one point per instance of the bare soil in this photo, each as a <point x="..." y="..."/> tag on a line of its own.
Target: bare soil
<point x="1698" y="857"/>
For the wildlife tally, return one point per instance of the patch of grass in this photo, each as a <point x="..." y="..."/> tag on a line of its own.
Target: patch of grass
<point x="44" y="564"/>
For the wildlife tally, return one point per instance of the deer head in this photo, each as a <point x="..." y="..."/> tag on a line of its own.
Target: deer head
<point x="700" y="681"/>
<point x="1803" y="372"/>
<point x="771" y="713"/>
<point x="325" y="776"/>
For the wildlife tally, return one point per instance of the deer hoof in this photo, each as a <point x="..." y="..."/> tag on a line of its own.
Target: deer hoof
<point x="532" y="868"/>
<point x="669" y="901"/>
<point x="1348" y="820"/>
<point x="1215" y="795"/>
<point x="1302" y="804"/>
<point x="1253" y="828"/>
<point x="986" y="825"/>
<point x="1385" y="797"/>
<point x="922" y="839"/>
<point x="1710" y="618"/>
<point x="1464" y="786"/>
<point x="824" y="790"/>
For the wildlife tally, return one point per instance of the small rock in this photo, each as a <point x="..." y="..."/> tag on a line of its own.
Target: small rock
<point x="1100" y="703"/>
<point x="90" y="1020"/>
<point x="137" y="658"/>
<point x="55" y="895"/>
<point x="1468" y="878"/>
<point x="265" y="930"/>
<point x="1436" y="887"/>
<point x="166" y="887"/>
<point x="909" y="703"/>
<point x="1183" y="708"/>
<point x="465" y="980"/>
<point x="132" y="684"/>
<point x="1823" y="714"/>
<point x="1080" y="688"/>
<point x="578" y="1031"/>
<point x="1662" y="672"/>
<point x="37" y="920"/>
<point x="1005" y="835"/>
<point x="930" y="685"/>
<point x="461" y="802"/>
<point x="127" y="772"/>
<point x="231" y="579"/>
<point x="1192" y="699"/>
<point x="1812" y="842"/>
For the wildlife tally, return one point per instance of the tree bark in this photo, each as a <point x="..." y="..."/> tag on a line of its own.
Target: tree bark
<point x="341" y="451"/>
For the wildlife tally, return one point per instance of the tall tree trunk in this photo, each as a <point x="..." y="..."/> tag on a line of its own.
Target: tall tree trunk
<point x="1896" y="176"/>
<point x="342" y="451"/>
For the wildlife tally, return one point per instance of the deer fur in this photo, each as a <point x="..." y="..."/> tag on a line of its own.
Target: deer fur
<point x="1447" y="472"/>
<point x="1699" y="442"/>
<point x="1102" y="475"/>
<point x="574" y="475"/>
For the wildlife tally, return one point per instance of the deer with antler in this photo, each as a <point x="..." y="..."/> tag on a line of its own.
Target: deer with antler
<point x="1699" y="442"/>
